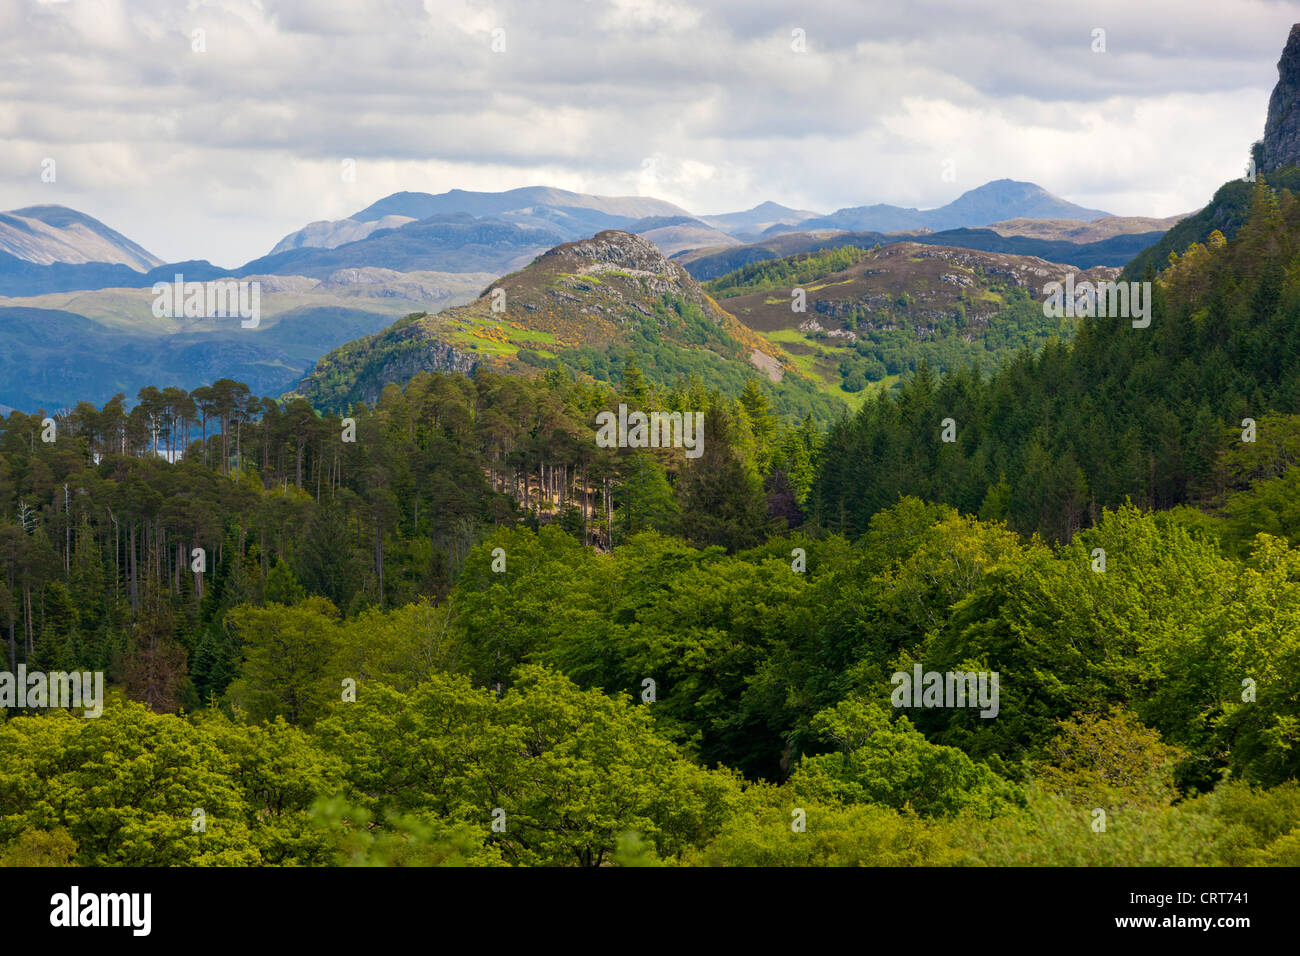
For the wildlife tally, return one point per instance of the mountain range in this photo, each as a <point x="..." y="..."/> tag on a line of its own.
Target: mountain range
<point x="51" y="248"/>
<point x="569" y="214"/>
<point x="71" y="287"/>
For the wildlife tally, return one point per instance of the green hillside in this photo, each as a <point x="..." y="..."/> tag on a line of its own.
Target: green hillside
<point x="872" y="315"/>
<point x="587" y="307"/>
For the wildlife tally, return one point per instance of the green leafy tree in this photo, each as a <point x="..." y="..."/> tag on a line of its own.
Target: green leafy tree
<point x="291" y="660"/>
<point x="561" y="772"/>
<point x="644" y="498"/>
<point x="1110" y="760"/>
<point x="888" y="762"/>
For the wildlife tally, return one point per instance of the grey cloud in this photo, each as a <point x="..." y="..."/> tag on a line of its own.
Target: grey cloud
<point x="248" y="135"/>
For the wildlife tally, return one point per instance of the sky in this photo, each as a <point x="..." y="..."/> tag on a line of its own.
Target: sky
<point x="209" y="130"/>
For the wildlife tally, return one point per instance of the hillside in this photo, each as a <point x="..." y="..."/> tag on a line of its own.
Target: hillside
<point x="1225" y="213"/>
<point x="586" y="306"/>
<point x="874" y="315"/>
<point x="1119" y="414"/>
<point x="712" y="262"/>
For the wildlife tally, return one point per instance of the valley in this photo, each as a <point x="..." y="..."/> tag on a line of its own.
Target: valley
<point x="648" y="434"/>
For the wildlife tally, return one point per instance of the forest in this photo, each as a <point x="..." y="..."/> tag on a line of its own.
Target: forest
<point x="450" y="629"/>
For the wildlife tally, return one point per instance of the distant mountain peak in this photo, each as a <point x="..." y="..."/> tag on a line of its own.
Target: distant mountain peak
<point x="558" y="212"/>
<point x="422" y="205"/>
<point x="1029" y="200"/>
<point x="766" y="215"/>
<point x="1007" y="187"/>
<point x="48" y="234"/>
<point x="994" y="201"/>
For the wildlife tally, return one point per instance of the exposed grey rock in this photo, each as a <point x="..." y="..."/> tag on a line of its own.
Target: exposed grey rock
<point x="421" y="355"/>
<point x="1282" y="130"/>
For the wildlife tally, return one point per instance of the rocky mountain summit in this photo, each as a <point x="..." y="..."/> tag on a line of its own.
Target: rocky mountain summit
<point x="1282" y="129"/>
<point x="583" y="304"/>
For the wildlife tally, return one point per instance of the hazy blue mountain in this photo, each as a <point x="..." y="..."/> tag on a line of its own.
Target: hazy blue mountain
<point x="572" y="222"/>
<point x="442" y="243"/>
<point x="61" y="347"/>
<point x="881" y="217"/>
<point x="424" y="205"/>
<point x="19" y="277"/>
<point x="567" y="214"/>
<point x="762" y="217"/>
<point x="993" y="202"/>
<point x="329" y="234"/>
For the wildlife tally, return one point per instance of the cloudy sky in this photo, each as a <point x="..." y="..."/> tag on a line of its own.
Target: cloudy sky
<point x="211" y="128"/>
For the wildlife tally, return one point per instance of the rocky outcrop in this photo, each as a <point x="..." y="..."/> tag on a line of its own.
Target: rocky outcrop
<point x="612" y="268"/>
<point x="616" y="250"/>
<point x="417" y="353"/>
<point x="1282" y="130"/>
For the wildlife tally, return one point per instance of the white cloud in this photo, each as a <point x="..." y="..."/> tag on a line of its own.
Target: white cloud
<point x="217" y="155"/>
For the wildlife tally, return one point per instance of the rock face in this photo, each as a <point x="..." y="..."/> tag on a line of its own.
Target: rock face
<point x="1282" y="130"/>
<point x="404" y="363"/>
